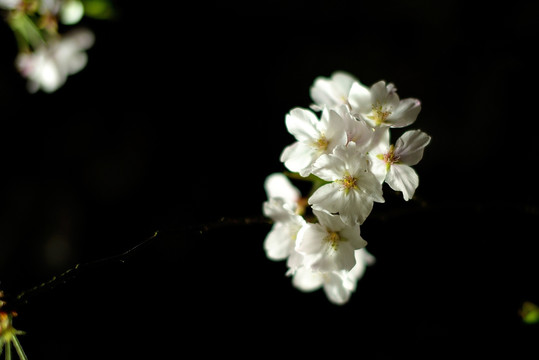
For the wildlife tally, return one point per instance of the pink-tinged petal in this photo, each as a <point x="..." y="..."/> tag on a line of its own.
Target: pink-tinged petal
<point x="302" y="124"/>
<point x="403" y="178"/>
<point x="277" y="185"/>
<point x="277" y="243"/>
<point x="410" y="146"/>
<point x="405" y="113"/>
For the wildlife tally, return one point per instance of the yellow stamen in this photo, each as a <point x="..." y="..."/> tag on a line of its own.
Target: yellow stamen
<point x="379" y="116"/>
<point x="322" y="143"/>
<point x="348" y="182"/>
<point x="333" y="238"/>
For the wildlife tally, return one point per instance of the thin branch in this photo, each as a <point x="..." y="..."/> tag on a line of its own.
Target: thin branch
<point x="71" y="273"/>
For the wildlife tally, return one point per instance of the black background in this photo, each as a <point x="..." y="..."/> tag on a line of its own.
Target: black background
<point x="176" y="121"/>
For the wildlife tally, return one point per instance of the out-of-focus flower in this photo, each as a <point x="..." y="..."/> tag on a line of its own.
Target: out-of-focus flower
<point x="48" y="67"/>
<point x="71" y="12"/>
<point x="331" y="92"/>
<point x="282" y="208"/>
<point x="9" y="4"/>
<point x="337" y="285"/>
<point x="8" y="336"/>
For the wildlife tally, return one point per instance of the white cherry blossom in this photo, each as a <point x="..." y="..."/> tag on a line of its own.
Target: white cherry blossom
<point x="329" y="245"/>
<point x="352" y="188"/>
<point x="314" y="138"/>
<point x="337" y="285"/>
<point x="381" y="106"/>
<point x="48" y="67"/>
<point x="346" y="155"/>
<point x="393" y="163"/>
<point x="282" y="208"/>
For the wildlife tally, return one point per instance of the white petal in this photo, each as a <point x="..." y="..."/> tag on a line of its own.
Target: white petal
<point x="329" y="221"/>
<point x="298" y="157"/>
<point x="336" y="131"/>
<point x="378" y="167"/>
<point x="307" y="280"/>
<point x="343" y="81"/>
<point x="379" y="93"/>
<point x="310" y="239"/>
<point x="331" y="260"/>
<point x="294" y="262"/>
<point x="277" y="185"/>
<point x="354" y="158"/>
<point x="278" y="242"/>
<point x="334" y="289"/>
<point x="405" y="113"/>
<point x="410" y="146"/>
<point x="356" y="208"/>
<point x="327" y="198"/>
<point x="352" y="236"/>
<point x="332" y="91"/>
<point x="329" y="167"/>
<point x="275" y="209"/>
<point x="359" y="99"/>
<point x="403" y="178"/>
<point x="369" y="185"/>
<point x="302" y="124"/>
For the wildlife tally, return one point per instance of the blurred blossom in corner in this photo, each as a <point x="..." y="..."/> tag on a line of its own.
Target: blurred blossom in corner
<point x="46" y="56"/>
<point x="48" y="67"/>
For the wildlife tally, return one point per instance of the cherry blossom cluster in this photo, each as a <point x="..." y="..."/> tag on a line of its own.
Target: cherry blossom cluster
<point x="343" y="146"/>
<point x="47" y="54"/>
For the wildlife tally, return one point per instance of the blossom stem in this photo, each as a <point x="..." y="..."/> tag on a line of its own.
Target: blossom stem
<point x="26" y="31"/>
<point x="8" y="350"/>
<point x="18" y="348"/>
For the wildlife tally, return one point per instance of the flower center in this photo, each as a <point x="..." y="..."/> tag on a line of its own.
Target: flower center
<point x="390" y="157"/>
<point x="378" y="114"/>
<point x="322" y="143"/>
<point x="348" y="182"/>
<point x="333" y="239"/>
